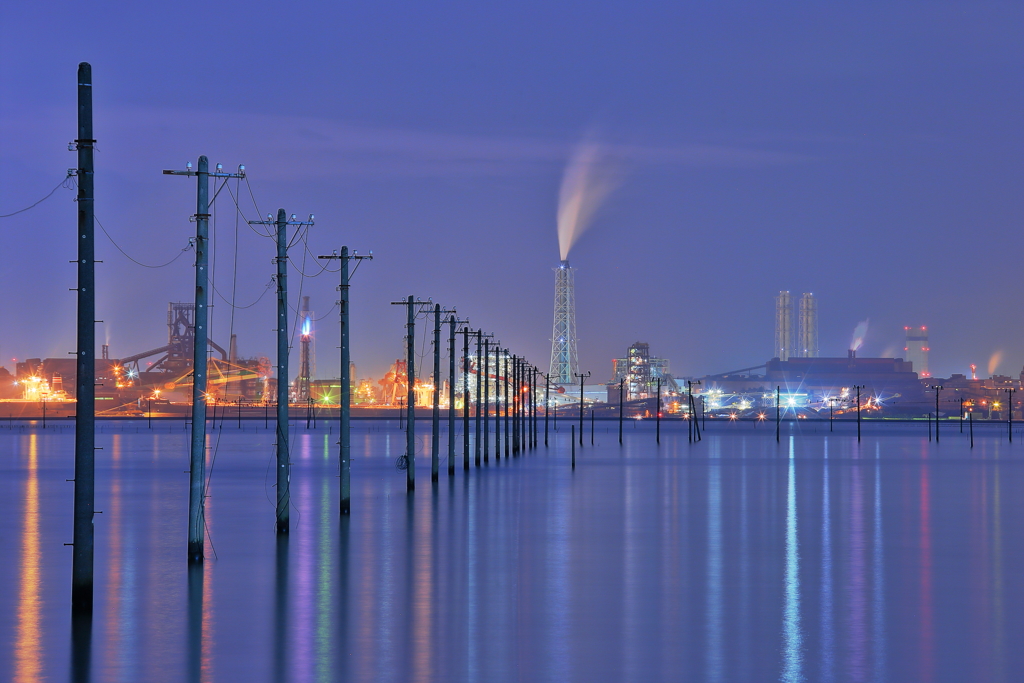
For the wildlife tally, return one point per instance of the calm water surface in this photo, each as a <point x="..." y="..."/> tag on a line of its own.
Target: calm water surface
<point x="735" y="559"/>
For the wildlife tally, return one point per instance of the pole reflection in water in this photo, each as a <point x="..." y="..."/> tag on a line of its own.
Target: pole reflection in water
<point x="195" y="622"/>
<point x="280" y="662"/>
<point x="81" y="648"/>
<point x="792" y="635"/>
<point x="28" y="639"/>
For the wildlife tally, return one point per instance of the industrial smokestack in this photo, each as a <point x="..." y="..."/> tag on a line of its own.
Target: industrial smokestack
<point x="783" y="326"/>
<point x="233" y="350"/>
<point x="807" y="335"/>
<point x="564" y="359"/>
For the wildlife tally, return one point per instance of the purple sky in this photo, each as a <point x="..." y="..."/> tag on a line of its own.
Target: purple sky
<point x="871" y="155"/>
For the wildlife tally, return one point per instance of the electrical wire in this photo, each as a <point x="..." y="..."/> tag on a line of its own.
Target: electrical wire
<point x="62" y="183"/>
<point x="135" y="261"/>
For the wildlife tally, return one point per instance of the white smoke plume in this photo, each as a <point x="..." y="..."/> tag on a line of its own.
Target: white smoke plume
<point x="590" y="176"/>
<point x="859" y="333"/>
<point x="994" y="361"/>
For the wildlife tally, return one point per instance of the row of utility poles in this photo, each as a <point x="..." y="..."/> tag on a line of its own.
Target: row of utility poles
<point x="513" y="379"/>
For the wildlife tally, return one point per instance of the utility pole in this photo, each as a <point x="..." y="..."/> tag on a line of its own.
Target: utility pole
<point x="283" y="460"/>
<point x="465" y="398"/>
<point x="497" y="404"/>
<point x="345" y="390"/>
<point x="515" y="404"/>
<point x="453" y="320"/>
<point x="487" y="399"/>
<point x="505" y="359"/>
<point x="1009" y="416"/>
<point x="778" y="414"/>
<point x="547" y="405"/>
<point x="582" y="378"/>
<point x="657" y="414"/>
<point x="622" y="383"/>
<point x="411" y="305"/>
<point x="858" y="387"/>
<point x="197" y="457"/>
<point x="938" y="388"/>
<point x="85" y="357"/>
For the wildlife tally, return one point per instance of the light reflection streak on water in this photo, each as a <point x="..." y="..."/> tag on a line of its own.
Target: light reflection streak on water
<point x="998" y="651"/>
<point x="745" y="587"/>
<point x="302" y="636"/>
<point x="878" y="589"/>
<point x="558" y="585"/>
<point x="715" y="660"/>
<point x="28" y="649"/>
<point x="324" y="599"/>
<point x="631" y="569"/>
<point x="827" y="626"/>
<point x="792" y="636"/>
<point x="857" y="604"/>
<point x="422" y="578"/>
<point x="472" y="552"/>
<point x="926" y="627"/>
<point x="122" y="590"/>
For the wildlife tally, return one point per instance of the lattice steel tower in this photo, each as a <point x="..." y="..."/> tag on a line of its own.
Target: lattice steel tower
<point x="783" y="326"/>
<point x="564" y="361"/>
<point x="807" y="336"/>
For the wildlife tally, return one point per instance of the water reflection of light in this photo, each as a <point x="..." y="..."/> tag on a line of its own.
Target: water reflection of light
<point x="28" y="651"/>
<point x="878" y="590"/>
<point x="857" y="606"/>
<point x="927" y="626"/>
<point x="714" y="607"/>
<point x="827" y="626"/>
<point x="792" y="637"/>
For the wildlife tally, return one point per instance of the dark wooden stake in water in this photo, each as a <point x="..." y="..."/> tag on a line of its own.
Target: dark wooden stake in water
<point x="592" y="426"/>
<point x="961" y="414"/>
<point x="85" y="413"/>
<point x="970" y="420"/>
<point x="572" y="441"/>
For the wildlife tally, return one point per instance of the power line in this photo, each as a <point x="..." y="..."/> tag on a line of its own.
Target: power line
<point x="63" y="183"/>
<point x="144" y="265"/>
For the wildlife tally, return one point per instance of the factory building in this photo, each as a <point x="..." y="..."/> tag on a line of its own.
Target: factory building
<point x="640" y="372"/>
<point x="892" y="378"/>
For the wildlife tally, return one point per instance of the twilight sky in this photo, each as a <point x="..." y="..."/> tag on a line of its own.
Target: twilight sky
<point x="869" y="154"/>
